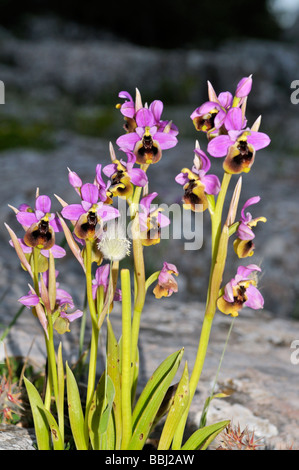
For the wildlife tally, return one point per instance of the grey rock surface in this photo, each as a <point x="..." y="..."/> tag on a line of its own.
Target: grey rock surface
<point x="47" y="80"/>
<point x="13" y="438"/>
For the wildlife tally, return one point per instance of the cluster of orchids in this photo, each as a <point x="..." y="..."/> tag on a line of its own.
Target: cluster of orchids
<point x="112" y="413"/>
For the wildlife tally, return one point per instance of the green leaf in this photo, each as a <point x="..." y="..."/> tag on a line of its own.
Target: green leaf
<point x="99" y="418"/>
<point x="203" y="437"/>
<point x="151" y="398"/>
<point x="95" y="413"/>
<point x="135" y="376"/>
<point x="179" y="404"/>
<point x="113" y="368"/>
<point x="39" y="418"/>
<point x="110" y="392"/>
<point x="205" y="410"/>
<point x="55" y="432"/>
<point x="75" y="411"/>
<point x="61" y="385"/>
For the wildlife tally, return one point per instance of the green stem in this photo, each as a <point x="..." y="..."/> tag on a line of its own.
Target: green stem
<point x="36" y="252"/>
<point x="140" y="286"/>
<point x="52" y="369"/>
<point x="126" y="359"/>
<point x="219" y="250"/>
<point x="83" y="327"/>
<point x="94" y="332"/>
<point x="151" y="279"/>
<point x="217" y="373"/>
<point x="217" y="216"/>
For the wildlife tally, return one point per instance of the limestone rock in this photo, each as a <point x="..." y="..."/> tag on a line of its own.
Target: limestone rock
<point x="15" y="438"/>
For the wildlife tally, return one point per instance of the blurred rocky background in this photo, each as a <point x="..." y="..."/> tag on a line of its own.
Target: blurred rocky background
<point x="63" y="65"/>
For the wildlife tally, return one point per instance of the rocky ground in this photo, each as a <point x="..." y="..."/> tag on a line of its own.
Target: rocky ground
<point x="59" y="113"/>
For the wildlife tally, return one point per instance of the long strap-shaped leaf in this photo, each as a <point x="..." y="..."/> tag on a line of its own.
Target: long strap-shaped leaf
<point x="39" y="418"/>
<point x="179" y="404"/>
<point x="75" y="411"/>
<point x="113" y="367"/>
<point x="55" y="432"/>
<point x="151" y="399"/>
<point x="203" y="437"/>
<point x="99" y="417"/>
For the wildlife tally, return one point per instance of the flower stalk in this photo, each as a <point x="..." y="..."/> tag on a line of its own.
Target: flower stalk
<point x="126" y="364"/>
<point x="94" y="329"/>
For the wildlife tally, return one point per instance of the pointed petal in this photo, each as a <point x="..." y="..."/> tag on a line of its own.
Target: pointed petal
<point x="128" y="109"/>
<point x="212" y="93"/>
<point x="206" y="108"/>
<point x="218" y="146"/>
<point x="43" y="204"/>
<point x="125" y="95"/>
<point x="255" y="299"/>
<point x="249" y="202"/>
<point x="212" y="184"/>
<point x="110" y="169"/>
<point x="256" y="125"/>
<point x="55" y="224"/>
<point x="204" y="161"/>
<point x="182" y="178"/>
<point x="128" y="141"/>
<point x="244" y="87"/>
<point x="29" y="300"/>
<point x="170" y="267"/>
<point x="42" y="318"/>
<point x="107" y="212"/>
<point x="225" y="99"/>
<point x="44" y="294"/>
<point x="156" y="107"/>
<point x="165" y="140"/>
<point x="74" y="179"/>
<point x="25" y="248"/>
<point x="72" y="212"/>
<point x="163" y="220"/>
<point x="138" y="177"/>
<point x="234" y="119"/>
<point x="64" y="298"/>
<point x="86" y="205"/>
<point x="244" y="271"/>
<point x="145" y="118"/>
<point x="19" y="250"/>
<point x="244" y="232"/>
<point x="147" y="200"/>
<point x="138" y="100"/>
<point x="258" y="140"/>
<point x="72" y="316"/>
<point x="102" y="276"/>
<point x="228" y="292"/>
<point x="62" y="202"/>
<point x="57" y="251"/>
<point x="219" y="119"/>
<point x="90" y="193"/>
<point x="26" y="218"/>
